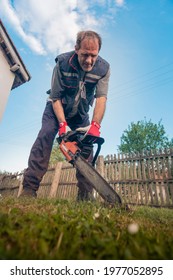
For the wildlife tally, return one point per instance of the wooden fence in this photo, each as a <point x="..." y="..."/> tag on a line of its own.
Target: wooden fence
<point x="143" y="179"/>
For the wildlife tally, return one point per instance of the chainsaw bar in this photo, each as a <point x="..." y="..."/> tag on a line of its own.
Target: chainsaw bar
<point x="96" y="181"/>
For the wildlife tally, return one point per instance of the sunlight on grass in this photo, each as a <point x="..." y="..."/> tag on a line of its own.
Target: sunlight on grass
<point x="61" y="229"/>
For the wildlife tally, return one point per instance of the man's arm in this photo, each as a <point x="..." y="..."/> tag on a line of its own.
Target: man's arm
<point x="55" y="96"/>
<point x="58" y="110"/>
<point x="101" y="98"/>
<point x="100" y="106"/>
<point x="99" y="109"/>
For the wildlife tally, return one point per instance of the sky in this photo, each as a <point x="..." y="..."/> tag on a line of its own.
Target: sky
<point x="137" y="42"/>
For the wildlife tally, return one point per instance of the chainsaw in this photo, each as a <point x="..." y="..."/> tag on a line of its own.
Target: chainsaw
<point x="72" y="145"/>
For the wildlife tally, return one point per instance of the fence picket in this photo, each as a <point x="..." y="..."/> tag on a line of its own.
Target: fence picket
<point x="145" y="178"/>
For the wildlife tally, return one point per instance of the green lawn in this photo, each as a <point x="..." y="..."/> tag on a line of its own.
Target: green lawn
<point x="59" y="229"/>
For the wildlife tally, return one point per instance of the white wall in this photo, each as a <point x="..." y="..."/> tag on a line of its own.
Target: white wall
<point x="6" y="82"/>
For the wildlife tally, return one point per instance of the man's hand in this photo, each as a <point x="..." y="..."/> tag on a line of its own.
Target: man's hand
<point x="92" y="129"/>
<point x="63" y="128"/>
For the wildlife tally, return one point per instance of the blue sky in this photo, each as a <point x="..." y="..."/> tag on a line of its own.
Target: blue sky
<point x="137" y="42"/>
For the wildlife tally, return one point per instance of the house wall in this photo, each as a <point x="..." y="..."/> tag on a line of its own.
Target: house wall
<point x="6" y="82"/>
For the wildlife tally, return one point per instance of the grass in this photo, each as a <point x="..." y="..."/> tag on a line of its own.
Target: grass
<point x="59" y="229"/>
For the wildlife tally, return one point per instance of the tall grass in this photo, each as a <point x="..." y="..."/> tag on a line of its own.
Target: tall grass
<point x="60" y="229"/>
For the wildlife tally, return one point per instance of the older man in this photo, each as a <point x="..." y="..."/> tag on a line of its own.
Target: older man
<point x="79" y="77"/>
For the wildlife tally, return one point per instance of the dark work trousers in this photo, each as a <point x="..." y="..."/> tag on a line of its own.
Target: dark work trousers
<point x="40" y="152"/>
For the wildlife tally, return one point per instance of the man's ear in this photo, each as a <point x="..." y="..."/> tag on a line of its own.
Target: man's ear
<point x="76" y="49"/>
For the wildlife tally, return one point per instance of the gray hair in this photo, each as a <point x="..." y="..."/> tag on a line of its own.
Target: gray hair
<point x="87" y="34"/>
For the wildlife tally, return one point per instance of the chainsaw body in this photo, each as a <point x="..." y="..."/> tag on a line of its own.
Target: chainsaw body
<point x="72" y="145"/>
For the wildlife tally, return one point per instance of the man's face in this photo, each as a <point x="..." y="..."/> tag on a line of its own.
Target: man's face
<point x="87" y="54"/>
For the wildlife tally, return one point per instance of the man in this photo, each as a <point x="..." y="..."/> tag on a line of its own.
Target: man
<point x="78" y="77"/>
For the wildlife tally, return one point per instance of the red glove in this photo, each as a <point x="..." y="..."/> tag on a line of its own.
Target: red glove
<point x="63" y="128"/>
<point x="94" y="129"/>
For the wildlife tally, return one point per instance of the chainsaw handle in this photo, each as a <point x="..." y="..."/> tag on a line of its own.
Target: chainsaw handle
<point x="96" y="154"/>
<point x="82" y="140"/>
<point x="72" y="135"/>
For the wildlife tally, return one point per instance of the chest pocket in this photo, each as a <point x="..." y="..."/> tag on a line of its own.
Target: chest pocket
<point x="70" y="80"/>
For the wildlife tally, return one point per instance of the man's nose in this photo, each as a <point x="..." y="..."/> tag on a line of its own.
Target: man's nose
<point x="89" y="59"/>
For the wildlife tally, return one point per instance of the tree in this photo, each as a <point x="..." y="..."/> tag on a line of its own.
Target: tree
<point x="56" y="154"/>
<point x="144" y="135"/>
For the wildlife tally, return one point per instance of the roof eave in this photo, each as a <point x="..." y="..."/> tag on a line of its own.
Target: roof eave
<point x="16" y="64"/>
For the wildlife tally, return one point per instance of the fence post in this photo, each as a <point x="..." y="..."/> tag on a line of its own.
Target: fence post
<point x="20" y="187"/>
<point x="100" y="166"/>
<point x="55" y="182"/>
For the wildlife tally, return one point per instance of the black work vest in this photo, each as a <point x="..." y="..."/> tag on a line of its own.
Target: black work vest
<point x="72" y="78"/>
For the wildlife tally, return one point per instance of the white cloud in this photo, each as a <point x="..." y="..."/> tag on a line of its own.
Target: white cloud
<point x="119" y="3"/>
<point x="50" y="26"/>
<point x="14" y="19"/>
